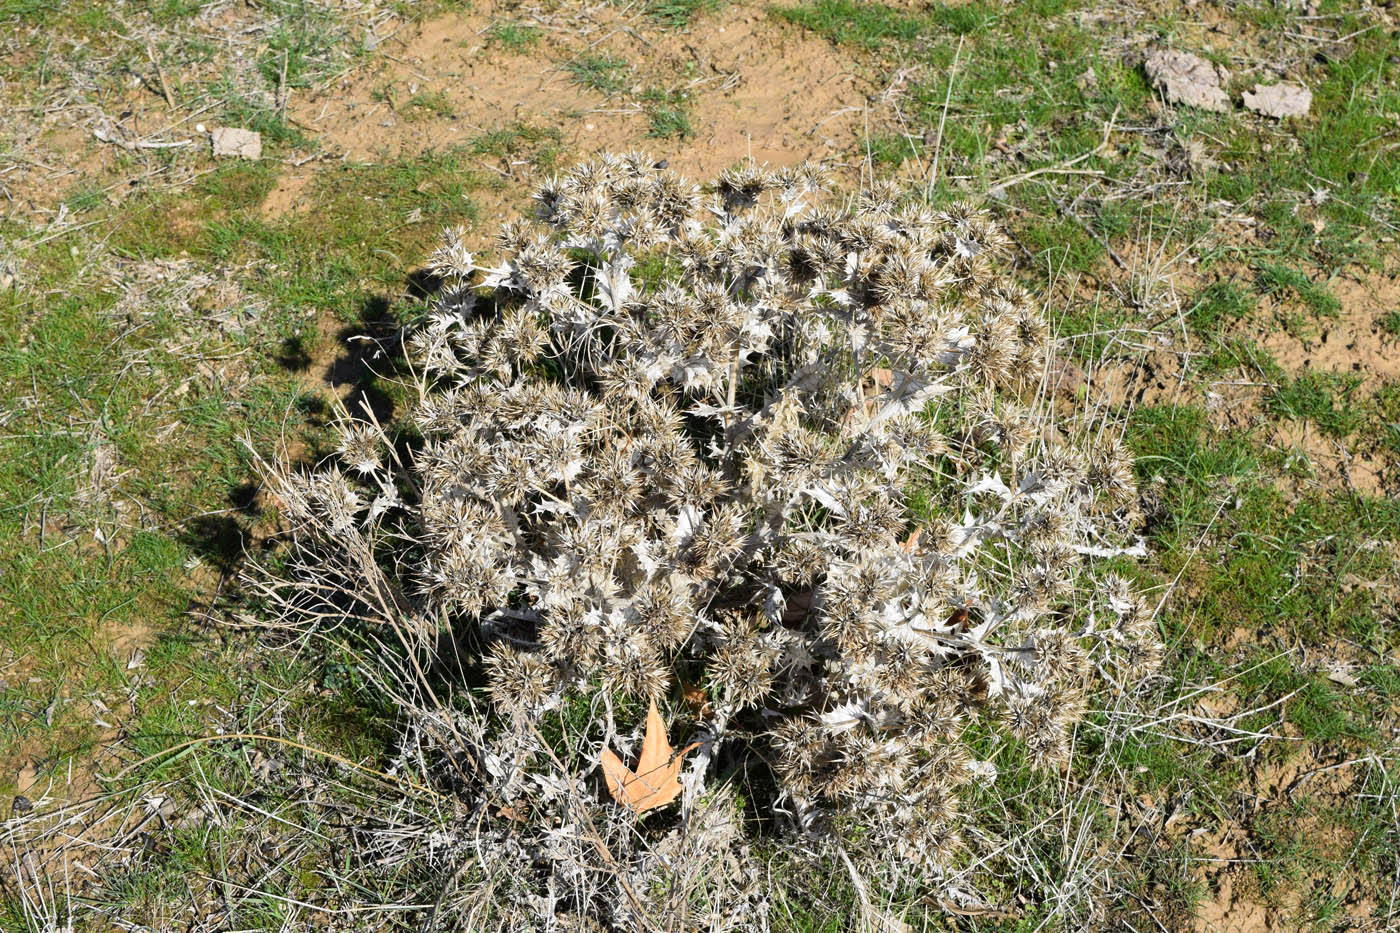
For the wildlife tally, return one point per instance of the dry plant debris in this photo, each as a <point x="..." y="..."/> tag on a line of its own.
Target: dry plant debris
<point x="676" y="428"/>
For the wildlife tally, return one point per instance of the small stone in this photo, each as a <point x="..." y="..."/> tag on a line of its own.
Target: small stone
<point x="1187" y="79"/>
<point x="1279" y="100"/>
<point x="239" y="143"/>
<point x="23" y="804"/>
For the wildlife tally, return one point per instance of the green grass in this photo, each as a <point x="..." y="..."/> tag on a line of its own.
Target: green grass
<point x="677" y="14"/>
<point x="1023" y="71"/>
<point x="1217" y="305"/>
<point x="537" y="143"/>
<point x="512" y="36"/>
<point x="254" y="112"/>
<point x="86" y="198"/>
<point x="434" y="103"/>
<point x="1324" y="399"/>
<point x="173" y="11"/>
<point x="892" y="149"/>
<point x="1278" y="279"/>
<point x="605" y="74"/>
<point x="1272" y="569"/>
<point x="1390" y="323"/>
<point x="26" y="11"/>
<point x="78" y="575"/>
<point x="301" y="46"/>
<point x="93" y="556"/>
<point x="667" y="114"/>
<point x="332" y="259"/>
<point x="846" y="22"/>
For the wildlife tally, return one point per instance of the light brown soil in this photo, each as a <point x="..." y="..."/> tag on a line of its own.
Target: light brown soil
<point x="1227" y="912"/>
<point x="1152" y="370"/>
<point x="1355" y="342"/>
<point x="754" y="89"/>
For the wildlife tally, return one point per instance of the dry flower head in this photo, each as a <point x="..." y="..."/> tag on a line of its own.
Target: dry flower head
<point x="796" y="442"/>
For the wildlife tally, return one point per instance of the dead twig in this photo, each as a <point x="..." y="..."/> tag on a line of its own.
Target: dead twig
<point x="947" y="98"/>
<point x="160" y="76"/>
<point x="103" y="136"/>
<point x="1066" y="167"/>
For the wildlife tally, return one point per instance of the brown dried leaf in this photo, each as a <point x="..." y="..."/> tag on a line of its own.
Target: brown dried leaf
<point x="656" y="782"/>
<point x="696" y="699"/>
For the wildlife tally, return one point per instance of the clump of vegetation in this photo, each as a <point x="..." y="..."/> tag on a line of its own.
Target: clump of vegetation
<point x="775" y="466"/>
<point x="512" y="36"/>
<point x="605" y="74"/>
<point x="667" y="114"/>
<point x="1218" y="305"/>
<point x="1390" y="323"/>
<point x="1275" y="278"/>
<point x="676" y="14"/>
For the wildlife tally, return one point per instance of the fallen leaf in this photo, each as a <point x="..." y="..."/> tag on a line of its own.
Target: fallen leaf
<point x="656" y="782"/>
<point x="1342" y="678"/>
<point x="696" y="699"/>
<point x="511" y="813"/>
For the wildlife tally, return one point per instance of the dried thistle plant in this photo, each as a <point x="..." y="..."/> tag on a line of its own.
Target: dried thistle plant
<point x="796" y="449"/>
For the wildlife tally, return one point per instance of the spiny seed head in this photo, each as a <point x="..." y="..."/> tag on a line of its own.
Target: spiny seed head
<point x="794" y="447"/>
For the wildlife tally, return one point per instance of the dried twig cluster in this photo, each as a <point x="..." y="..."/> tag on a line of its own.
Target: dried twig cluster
<point x="794" y="452"/>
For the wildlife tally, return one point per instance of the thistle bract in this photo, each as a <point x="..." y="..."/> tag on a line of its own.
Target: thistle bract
<point x="793" y="449"/>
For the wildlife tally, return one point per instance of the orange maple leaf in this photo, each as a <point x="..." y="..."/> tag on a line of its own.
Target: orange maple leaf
<point x="656" y="782"/>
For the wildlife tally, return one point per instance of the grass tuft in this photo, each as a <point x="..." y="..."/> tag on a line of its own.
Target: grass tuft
<point x="512" y="36"/>
<point x="605" y="74"/>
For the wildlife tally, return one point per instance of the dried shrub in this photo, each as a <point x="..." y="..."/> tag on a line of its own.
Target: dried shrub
<point x="788" y="455"/>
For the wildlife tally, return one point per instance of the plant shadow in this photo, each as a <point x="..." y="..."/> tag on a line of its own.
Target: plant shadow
<point x="355" y="373"/>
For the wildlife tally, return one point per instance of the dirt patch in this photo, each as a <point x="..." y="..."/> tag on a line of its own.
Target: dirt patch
<point x="784" y="97"/>
<point x="128" y="645"/>
<point x="1159" y="366"/>
<point x="1226" y="852"/>
<point x="1229" y="912"/>
<point x="1354" y="342"/>
<point x="1330" y="462"/>
<point x="749" y="87"/>
<point x="287" y="194"/>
